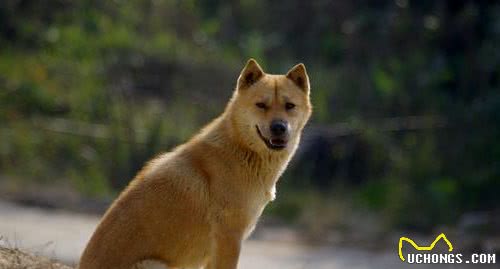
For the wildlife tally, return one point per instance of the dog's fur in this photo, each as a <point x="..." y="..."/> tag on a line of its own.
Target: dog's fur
<point x="192" y="207"/>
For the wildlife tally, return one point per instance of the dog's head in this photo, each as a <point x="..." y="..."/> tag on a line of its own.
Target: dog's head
<point x="270" y="111"/>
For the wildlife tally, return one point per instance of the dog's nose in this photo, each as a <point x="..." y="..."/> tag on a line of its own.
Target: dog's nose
<point x="278" y="127"/>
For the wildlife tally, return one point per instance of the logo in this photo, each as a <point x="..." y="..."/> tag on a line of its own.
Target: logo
<point x="428" y="248"/>
<point x="442" y="258"/>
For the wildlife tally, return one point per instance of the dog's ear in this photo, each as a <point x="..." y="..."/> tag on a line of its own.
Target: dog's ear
<point x="250" y="74"/>
<point x="298" y="75"/>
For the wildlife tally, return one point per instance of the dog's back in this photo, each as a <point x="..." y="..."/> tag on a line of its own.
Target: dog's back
<point x="166" y="199"/>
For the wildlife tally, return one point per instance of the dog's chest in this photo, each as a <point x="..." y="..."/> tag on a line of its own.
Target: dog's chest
<point x="256" y="199"/>
<point x="254" y="207"/>
<point x="249" y="189"/>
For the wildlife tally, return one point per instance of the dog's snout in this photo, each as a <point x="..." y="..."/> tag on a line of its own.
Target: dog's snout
<point x="278" y="127"/>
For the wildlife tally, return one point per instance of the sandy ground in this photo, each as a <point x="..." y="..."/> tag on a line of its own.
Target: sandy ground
<point x="62" y="235"/>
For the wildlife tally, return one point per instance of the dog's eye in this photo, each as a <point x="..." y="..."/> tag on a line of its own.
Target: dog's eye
<point x="289" y="106"/>
<point x="261" y="105"/>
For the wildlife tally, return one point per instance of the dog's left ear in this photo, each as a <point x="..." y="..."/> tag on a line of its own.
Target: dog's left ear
<point x="298" y="75"/>
<point x="250" y="74"/>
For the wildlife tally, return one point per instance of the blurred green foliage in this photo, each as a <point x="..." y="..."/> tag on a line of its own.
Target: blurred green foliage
<point x="406" y="95"/>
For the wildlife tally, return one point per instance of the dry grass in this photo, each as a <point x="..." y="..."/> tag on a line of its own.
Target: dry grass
<point x="16" y="259"/>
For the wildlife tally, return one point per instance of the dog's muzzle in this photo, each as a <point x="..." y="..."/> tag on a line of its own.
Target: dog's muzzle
<point x="279" y="135"/>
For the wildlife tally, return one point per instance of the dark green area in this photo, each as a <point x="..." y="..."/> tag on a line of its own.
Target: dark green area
<point x="406" y="96"/>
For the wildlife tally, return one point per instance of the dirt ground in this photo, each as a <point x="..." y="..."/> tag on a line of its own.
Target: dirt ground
<point x="62" y="235"/>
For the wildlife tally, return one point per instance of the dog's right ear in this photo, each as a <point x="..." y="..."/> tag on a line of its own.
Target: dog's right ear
<point x="250" y="74"/>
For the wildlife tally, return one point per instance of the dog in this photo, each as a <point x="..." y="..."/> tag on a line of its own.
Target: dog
<point x="192" y="207"/>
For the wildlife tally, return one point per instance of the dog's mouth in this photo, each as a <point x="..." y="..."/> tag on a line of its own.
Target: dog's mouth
<point x="274" y="143"/>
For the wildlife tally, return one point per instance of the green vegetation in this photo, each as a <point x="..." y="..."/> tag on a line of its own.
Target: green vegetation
<point x="406" y="95"/>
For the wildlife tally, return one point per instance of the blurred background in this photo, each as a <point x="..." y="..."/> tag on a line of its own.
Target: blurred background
<point x="404" y="137"/>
